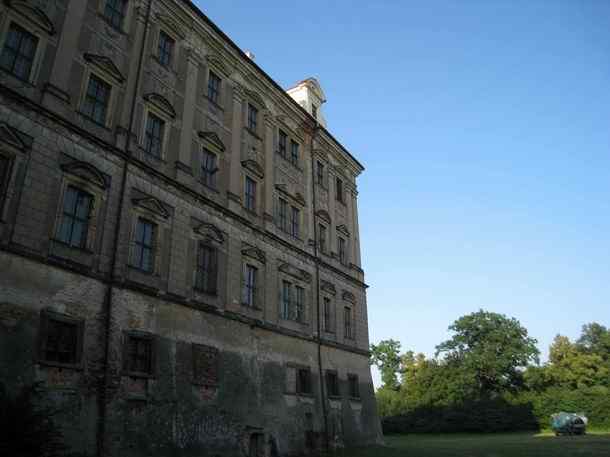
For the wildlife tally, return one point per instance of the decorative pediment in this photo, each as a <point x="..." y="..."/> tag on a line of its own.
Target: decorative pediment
<point x="323" y="214"/>
<point x="343" y="229"/>
<point x="161" y="103"/>
<point x="12" y="136"/>
<point x="295" y="272"/>
<point x="297" y="197"/>
<point x="106" y="65"/>
<point x="34" y="14"/>
<point x="254" y="253"/>
<point x="171" y="25"/>
<point x="87" y="172"/>
<point x="256" y="98"/>
<point x="210" y="232"/>
<point x="153" y="205"/>
<point x="254" y="167"/>
<point x="217" y="64"/>
<point x="348" y="296"/>
<point x="213" y="139"/>
<point x="328" y="287"/>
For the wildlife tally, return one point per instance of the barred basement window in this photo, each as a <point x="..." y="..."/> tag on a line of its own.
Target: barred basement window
<point x="304" y="381"/>
<point x="332" y="384"/>
<point x="155" y="132"/>
<point x="144" y="250"/>
<point x="74" y="224"/>
<point x="282" y="143"/>
<point x="209" y="168"/>
<point x="205" y="365"/>
<point x="18" y="53"/>
<point x="165" y="49"/>
<point x="114" y="13"/>
<point x="207" y="268"/>
<point x="353" y="386"/>
<point x="61" y="339"/>
<point x="139" y="354"/>
<point x="97" y="100"/>
<point x="214" y="87"/>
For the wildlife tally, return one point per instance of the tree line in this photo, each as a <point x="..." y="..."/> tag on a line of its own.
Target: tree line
<point x="488" y="377"/>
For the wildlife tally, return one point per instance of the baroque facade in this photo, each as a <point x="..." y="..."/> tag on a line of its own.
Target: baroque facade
<point x="180" y="266"/>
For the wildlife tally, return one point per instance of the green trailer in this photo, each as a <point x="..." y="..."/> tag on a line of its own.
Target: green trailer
<point x="569" y="423"/>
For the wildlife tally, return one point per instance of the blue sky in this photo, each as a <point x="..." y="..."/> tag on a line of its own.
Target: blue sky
<point x="484" y="129"/>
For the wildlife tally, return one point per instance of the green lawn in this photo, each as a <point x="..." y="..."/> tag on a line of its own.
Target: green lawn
<point x="492" y="445"/>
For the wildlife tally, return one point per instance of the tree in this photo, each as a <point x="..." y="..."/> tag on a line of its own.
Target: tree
<point x="595" y="339"/>
<point x="386" y="356"/>
<point x="492" y="348"/>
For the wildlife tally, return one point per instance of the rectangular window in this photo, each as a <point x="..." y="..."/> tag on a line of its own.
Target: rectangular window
<point x="74" y="223"/>
<point x="139" y="355"/>
<point x="294" y="152"/>
<point x="249" y="289"/>
<point x="353" y="386"/>
<point x="347" y="321"/>
<point x="153" y="137"/>
<point x="250" y="194"/>
<point x="304" y="381"/>
<point x="97" y="100"/>
<point x="18" y="53"/>
<point x="339" y="190"/>
<point x="207" y="268"/>
<point x="144" y="249"/>
<point x="283" y="214"/>
<point x="61" y="341"/>
<point x="322" y="238"/>
<point x="342" y="250"/>
<point x="209" y="168"/>
<point x="166" y="49"/>
<point x="286" y="295"/>
<point x="4" y="179"/>
<point x="320" y="173"/>
<point x="214" y="87"/>
<point x="205" y="365"/>
<point x="282" y="144"/>
<point x="332" y="384"/>
<point x="252" y="117"/>
<point x="115" y="12"/>
<point x="314" y="111"/>
<point x="327" y="314"/>
<point x="299" y="304"/>
<point x="295" y="218"/>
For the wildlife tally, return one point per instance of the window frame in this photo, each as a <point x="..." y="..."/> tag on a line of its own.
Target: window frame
<point x="151" y="339"/>
<point x="327" y="315"/>
<point x="124" y="24"/>
<point x="295" y="222"/>
<point x="295" y="154"/>
<point x="282" y="144"/>
<point x="85" y="97"/>
<point x="250" y="200"/>
<point x="153" y="247"/>
<point x="339" y="190"/>
<point x="164" y="57"/>
<point x="5" y="180"/>
<point x="322" y="238"/>
<point x="19" y="52"/>
<point x="211" y="269"/>
<point x="211" y="90"/>
<point x="304" y="388"/>
<point x="286" y="299"/>
<point x="201" y="379"/>
<point x="353" y="386"/>
<point x="208" y="176"/>
<point x="331" y="383"/>
<point x="320" y="172"/>
<point x="154" y="115"/>
<point x="47" y="315"/>
<point x="348" y="323"/>
<point x="252" y="113"/>
<point x="86" y="222"/>
<point x="250" y="289"/>
<point x="342" y="250"/>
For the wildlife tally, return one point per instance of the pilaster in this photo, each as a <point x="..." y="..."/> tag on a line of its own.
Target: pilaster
<point x="234" y="188"/>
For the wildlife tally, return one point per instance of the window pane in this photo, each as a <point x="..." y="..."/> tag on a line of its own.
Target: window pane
<point x="18" y="52"/>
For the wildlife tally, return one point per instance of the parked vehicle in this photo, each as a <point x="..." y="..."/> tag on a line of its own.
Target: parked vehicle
<point x="569" y="423"/>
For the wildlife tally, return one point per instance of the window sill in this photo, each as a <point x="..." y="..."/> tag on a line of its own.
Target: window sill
<point x="28" y="82"/>
<point x="67" y="366"/>
<point x="209" y="188"/>
<point x="148" y="157"/>
<point x="72" y="247"/>
<point x="88" y="118"/>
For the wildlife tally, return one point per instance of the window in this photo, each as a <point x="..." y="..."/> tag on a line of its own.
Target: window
<point x="250" y="194"/>
<point x="139" y="354"/>
<point x="283" y="214"/>
<point x="322" y="238"/>
<point x="18" y="53"/>
<point x="352" y="383"/>
<point x="294" y="152"/>
<point x="339" y="190"/>
<point x="332" y="384"/>
<point x="342" y="250"/>
<point x="74" y="223"/>
<point x="214" y="87"/>
<point x="299" y="304"/>
<point x="304" y="381"/>
<point x="295" y="216"/>
<point x="166" y="49"/>
<point x="144" y="254"/>
<point x="286" y="294"/>
<point x="207" y="268"/>
<point x="252" y="117"/>
<point x="320" y="173"/>
<point x="4" y="178"/>
<point x="327" y="315"/>
<point x="97" y="100"/>
<point x="209" y="168"/>
<point x="61" y="339"/>
<point x="347" y="320"/>
<point x="249" y="288"/>
<point x="205" y="365"/>
<point x="153" y="137"/>
<point x="282" y="143"/>
<point x="115" y="12"/>
<point x="314" y="111"/>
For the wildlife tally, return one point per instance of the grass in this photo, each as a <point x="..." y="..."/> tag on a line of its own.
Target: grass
<point x="594" y="444"/>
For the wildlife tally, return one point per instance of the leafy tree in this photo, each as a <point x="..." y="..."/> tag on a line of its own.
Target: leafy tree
<point x="492" y="348"/>
<point x="386" y="356"/>
<point x="595" y="339"/>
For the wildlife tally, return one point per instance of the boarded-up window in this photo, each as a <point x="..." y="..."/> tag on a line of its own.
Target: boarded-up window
<point x="205" y="365"/>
